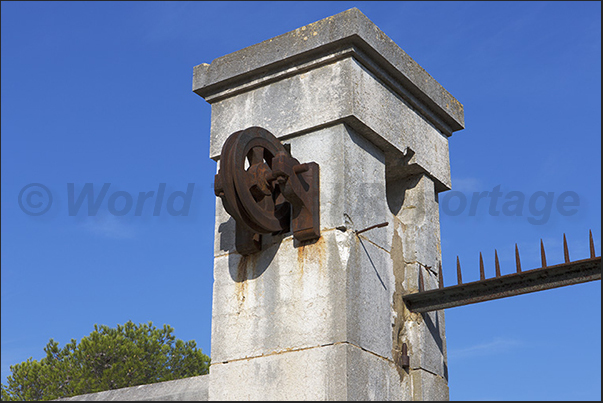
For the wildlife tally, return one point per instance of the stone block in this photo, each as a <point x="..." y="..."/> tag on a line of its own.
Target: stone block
<point x="428" y="387"/>
<point x="284" y="297"/>
<point x="322" y="42"/>
<point x="426" y="340"/>
<point x="371" y="378"/>
<point x="370" y="289"/>
<point x="343" y="91"/>
<point x="352" y="179"/>
<point x="333" y="372"/>
<point x="310" y="374"/>
<point x="414" y="201"/>
<point x="298" y="296"/>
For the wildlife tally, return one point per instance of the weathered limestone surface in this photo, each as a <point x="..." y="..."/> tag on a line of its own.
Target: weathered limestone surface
<point x="337" y="289"/>
<point x="188" y="389"/>
<point x="416" y="247"/>
<point x="320" y="43"/>
<point x="341" y="91"/>
<point x="340" y="371"/>
<point x="325" y="319"/>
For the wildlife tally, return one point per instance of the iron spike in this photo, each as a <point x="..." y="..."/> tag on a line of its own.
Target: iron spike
<point x="565" y="250"/>
<point x="482" y="275"/>
<point x="459" y="278"/>
<point x="592" y="244"/>
<point x="542" y="254"/>
<point x="496" y="263"/>
<point x="441" y="282"/>
<point x="404" y="349"/>
<point x="517" y="261"/>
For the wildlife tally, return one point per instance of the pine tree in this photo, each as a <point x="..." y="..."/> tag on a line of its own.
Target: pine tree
<point x="109" y="358"/>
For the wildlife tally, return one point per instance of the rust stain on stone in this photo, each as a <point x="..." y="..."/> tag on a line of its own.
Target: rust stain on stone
<point x="244" y="268"/>
<point x="318" y="254"/>
<point x="312" y="252"/>
<point x="300" y="259"/>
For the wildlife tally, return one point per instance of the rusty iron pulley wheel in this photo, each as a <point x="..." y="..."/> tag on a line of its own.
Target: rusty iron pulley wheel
<point x="246" y="182"/>
<point x="265" y="189"/>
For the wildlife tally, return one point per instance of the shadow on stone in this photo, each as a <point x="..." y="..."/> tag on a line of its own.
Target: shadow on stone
<point x="434" y="329"/>
<point x="226" y="231"/>
<point x="372" y="264"/>
<point x="251" y="266"/>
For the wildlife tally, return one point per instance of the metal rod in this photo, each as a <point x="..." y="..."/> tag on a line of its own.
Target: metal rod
<point x="482" y="275"/>
<point x="560" y="275"/>
<point x="517" y="261"/>
<point x="542" y="254"/>
<point x="496" y="263"/>
<point x="459" y="278"/>
<point x="592" y="244"/>
<point x="383" y="224"/>
<point x="565" y="250"/>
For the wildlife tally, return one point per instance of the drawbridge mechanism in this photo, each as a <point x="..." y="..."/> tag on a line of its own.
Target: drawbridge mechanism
<point x="266" y="190"/>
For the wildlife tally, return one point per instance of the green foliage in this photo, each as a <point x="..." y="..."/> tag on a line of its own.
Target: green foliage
<point x="106" y="359"/>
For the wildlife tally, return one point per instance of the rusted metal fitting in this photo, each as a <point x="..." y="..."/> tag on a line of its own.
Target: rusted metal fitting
<point x="521" y="282"/>
<point x="403" y="358"/>
<point x="266" y="190"/>
<point x="383" y="224"/>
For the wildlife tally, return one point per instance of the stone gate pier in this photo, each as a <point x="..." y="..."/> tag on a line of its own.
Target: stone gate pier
<point x="324" y="319"/>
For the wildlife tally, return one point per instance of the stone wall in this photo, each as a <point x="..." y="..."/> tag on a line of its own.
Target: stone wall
<point x="188" y="389"/>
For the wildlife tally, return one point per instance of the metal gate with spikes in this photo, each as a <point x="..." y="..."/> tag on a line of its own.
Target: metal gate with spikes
<point x="521" y="282"/>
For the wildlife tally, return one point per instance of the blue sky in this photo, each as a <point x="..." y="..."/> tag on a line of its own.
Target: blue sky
<point x="100" y="92"/>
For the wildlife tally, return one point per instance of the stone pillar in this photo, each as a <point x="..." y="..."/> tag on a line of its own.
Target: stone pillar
<point x="325" y="319"/>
